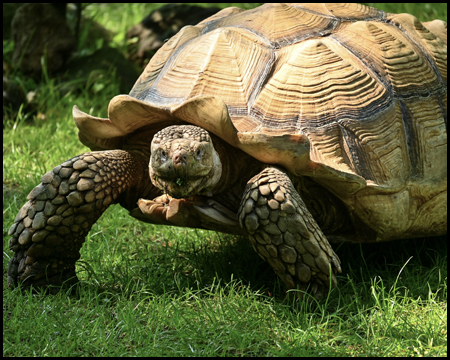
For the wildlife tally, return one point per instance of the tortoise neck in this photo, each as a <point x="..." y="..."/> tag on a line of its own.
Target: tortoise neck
<point x="237" y="166"/>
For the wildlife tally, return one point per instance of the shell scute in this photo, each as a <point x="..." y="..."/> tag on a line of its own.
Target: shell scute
<point x="356" y="96"/>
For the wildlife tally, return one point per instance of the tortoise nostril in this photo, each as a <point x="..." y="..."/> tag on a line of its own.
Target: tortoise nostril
<point x="179" y="158"/>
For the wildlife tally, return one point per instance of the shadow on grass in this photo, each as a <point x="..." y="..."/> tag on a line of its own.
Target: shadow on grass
<point x="171" y="268"/>
<point x="415" y="264"/>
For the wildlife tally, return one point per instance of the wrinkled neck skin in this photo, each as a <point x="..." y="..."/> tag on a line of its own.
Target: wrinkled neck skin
<point x="237" y="168"/>
<point x="140" y="184"/>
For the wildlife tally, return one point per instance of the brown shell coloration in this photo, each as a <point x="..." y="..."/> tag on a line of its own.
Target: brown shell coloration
<point x="347" y="94"/>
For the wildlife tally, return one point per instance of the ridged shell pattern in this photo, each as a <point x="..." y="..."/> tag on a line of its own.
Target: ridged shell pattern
<point x="360" y="83"/>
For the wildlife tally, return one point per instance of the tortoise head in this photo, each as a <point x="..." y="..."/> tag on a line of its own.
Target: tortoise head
<point x="183" y="161"/>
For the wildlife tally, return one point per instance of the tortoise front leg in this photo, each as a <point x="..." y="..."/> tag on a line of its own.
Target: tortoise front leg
<point x="51" y="227"/>
<point x="283" y="232"/>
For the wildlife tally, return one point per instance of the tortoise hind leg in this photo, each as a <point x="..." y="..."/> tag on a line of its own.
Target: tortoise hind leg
<point x="51" y="227"/>
<point x="284" y="233"/>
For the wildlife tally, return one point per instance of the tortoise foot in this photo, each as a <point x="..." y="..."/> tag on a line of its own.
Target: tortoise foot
<point x="283" y="233"/>
<point x="51" y="227"/>
<point x="40" y="274"/>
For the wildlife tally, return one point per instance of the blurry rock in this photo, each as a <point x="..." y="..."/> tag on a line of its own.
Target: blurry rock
<point x="9" y="9"/>
<point x="40" y="30"/>
<point x="105" y="60"/>
<point x="13" y="97"/>
<point x="161" y="25"/>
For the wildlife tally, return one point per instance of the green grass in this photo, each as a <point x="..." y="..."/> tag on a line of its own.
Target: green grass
<point x="161" y="291"/>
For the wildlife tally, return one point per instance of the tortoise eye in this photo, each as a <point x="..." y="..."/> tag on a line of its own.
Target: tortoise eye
<point x="198" y="152"/>
<point x="163" y="155"/>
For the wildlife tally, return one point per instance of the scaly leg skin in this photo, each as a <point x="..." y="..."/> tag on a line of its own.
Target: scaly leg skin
<point x="283" y="232"/>
<point x="51" y="227"/>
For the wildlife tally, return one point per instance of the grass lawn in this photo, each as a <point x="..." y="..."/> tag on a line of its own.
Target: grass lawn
<point x="159" y="291"/>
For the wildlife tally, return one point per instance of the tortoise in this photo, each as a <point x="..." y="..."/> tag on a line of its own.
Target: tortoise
<point x="297" y="125"/>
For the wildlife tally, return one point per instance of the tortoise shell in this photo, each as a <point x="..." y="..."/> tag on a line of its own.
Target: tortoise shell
<point x="348" y="95"/>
